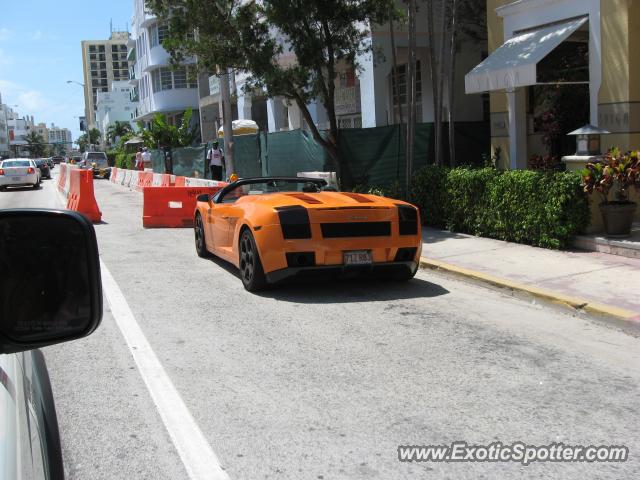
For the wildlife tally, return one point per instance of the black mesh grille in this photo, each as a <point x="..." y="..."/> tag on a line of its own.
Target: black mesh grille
<point x="356" y="229"/>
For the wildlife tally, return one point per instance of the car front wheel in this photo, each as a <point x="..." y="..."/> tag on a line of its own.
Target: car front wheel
<point x="251" y="271"/>
<point x="201" y="244"/>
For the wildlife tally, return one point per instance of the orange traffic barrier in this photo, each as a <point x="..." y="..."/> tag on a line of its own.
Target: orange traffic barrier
<point x="81" y="198"/>
<point x="171" y="206"/>
<point x="145" y="179"/>
<point x="180" y="181"/>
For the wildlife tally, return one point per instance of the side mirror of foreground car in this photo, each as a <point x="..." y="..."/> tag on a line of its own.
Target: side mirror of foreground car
<point x="50" y="285"/>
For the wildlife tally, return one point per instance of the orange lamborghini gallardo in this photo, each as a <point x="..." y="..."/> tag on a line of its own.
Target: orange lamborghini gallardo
<point x="277" y="228"/>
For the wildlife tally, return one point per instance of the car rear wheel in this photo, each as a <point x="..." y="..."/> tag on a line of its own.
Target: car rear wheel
<point x="201" y="244"/>
<point x="251" y="271"/>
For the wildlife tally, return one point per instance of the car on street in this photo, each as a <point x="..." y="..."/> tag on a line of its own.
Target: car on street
<point x="98" y="163"/>
<point x="45" y="168"/>
<point x="279" y="228"/>
<point x="57" y="159"/>
<point x="36" y="312"/>
<point x="19" y="172"/>
<point x="50" y="163"/>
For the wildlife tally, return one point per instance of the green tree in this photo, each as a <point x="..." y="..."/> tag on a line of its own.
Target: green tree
<point x="117" y="130"/>
<point x="161" y="133"/>
<point x="92" y="139"/>
<point x="321" y="35"/>
<point x="36" y="145"/>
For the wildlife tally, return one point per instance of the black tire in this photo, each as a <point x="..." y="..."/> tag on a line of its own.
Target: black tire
<point x="201" y="244"/>
<point x="49" y="419"/>
<point x="251" y="271"/>
<point x="36" y="186"/>
<point x="405" y="275"/>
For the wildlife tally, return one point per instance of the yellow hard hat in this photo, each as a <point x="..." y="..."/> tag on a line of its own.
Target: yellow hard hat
<point x="233" y="178"/>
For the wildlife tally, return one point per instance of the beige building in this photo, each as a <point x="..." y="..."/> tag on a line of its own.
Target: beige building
<point x="62" y="136"/>
<point x="103" y="61"/>
<point x="531" y="43"/>
<point x="42" y="130"/>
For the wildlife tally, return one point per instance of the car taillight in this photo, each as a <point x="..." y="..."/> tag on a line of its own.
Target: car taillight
<point x="294" y="221"/>
<point x="31" y="170"/>
<point x="407" y="220"/>
<point x="1" y="171"/>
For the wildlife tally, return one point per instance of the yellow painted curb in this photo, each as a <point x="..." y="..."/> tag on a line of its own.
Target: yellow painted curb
<point x="573" y="302"/>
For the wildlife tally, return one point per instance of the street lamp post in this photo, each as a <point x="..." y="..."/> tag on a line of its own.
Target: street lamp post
<point x="87" y="126"/>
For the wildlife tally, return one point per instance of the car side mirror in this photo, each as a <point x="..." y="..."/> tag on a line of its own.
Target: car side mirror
<point x="204" y="197"/>
<point x="50" y="285"/>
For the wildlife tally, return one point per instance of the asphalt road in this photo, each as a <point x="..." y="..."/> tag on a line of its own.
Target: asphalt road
<point x="324" y="381"/>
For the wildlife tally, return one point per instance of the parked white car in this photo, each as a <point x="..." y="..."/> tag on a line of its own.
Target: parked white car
<point x="19" y="172"/>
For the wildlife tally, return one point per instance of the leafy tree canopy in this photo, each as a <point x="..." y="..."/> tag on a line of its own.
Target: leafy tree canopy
<point x="289" y="48"/>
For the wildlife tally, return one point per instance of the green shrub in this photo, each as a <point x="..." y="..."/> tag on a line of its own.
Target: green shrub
<point x="535" y="208"/>
<point x="429" y="194"/>
<point x="111" y="157"/>
<point x="125" y="160"/>
<point x="467" y="209"/>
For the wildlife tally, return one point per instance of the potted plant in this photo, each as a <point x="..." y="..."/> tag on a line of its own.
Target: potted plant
<point x="617" y="172"/>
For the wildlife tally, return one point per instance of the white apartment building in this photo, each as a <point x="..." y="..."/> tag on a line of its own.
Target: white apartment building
<point x="18" y="128"/>
<point x="4" y="131"/>
<point x="115" y="106"/>
<point x="62" y="136"/>
<point x="363" y="98"/>
<point x="156" y="87"/>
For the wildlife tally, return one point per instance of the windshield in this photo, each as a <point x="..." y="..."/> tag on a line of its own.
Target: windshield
<point x="16" y="163"/>
<point x="265" y="186"/>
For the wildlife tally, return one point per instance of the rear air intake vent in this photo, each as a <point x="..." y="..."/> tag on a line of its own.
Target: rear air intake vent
<point x="305" y="198"/>
<point x="294" y="221"/>
<point x="407" y="220"/>
<point x="357" y="197"/>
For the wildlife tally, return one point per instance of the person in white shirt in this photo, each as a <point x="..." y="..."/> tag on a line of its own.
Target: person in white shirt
<point x="146" y="158"/>
<point x="216" y="161"/>
<point x="139" y="164"/>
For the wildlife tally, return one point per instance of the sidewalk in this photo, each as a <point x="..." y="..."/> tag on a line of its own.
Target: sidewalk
<point x="597" y="282"/>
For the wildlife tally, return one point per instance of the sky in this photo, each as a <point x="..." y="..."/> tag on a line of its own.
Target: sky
<point x="40" y="50"/>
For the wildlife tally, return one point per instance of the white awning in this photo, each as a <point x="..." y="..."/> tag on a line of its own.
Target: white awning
<point x="514" y="63"/>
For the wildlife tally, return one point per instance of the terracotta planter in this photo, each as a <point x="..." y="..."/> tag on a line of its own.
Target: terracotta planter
<point x="618" y="218"/>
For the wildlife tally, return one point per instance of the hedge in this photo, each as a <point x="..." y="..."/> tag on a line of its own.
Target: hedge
<point x="524" y="206"/>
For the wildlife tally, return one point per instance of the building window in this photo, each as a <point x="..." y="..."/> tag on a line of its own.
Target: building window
<point x="92" y="48"/>
<point x="93" y="56"/>
<point x="101" y="48"/>
<point x="123" y="48"/>
<point x="114" y="48"/>
<point x="94" y="66"/>
<point x="192" y="77"/>
<point x="114" y="57"/>
<point x="116" y="65"/>
<point x="163" y="32"/>
<point x="180" y="78"/>
<point x="166" y="82"/>
<point x="103" y="65"/>
<point x="402" y="85"/>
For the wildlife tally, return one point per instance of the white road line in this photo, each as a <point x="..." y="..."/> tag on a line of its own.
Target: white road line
<point x="197" y="455"/>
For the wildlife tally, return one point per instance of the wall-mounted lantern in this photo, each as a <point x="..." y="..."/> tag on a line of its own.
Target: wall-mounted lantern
<point x="588" y="140"/>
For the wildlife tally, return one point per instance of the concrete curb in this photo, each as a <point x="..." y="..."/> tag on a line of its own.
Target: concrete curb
<point x="558" y="298"/>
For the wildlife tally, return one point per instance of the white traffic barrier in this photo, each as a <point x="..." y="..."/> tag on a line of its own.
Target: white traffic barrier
<point x="133" y="181"/>
<point x="202" y="182"/>
<point x="126" y="178"/>
<point x="157" y="180"/>
<point x="120" y="176"/>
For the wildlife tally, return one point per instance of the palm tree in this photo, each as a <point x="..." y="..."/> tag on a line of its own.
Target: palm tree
<point x="117" y="130"/>
<point x="36" y="144"/>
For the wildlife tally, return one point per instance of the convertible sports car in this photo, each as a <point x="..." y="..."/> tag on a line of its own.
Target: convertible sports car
<point x="275" y="228"/>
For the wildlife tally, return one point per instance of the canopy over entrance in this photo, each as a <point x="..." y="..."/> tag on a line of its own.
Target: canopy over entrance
<point x="514" y="64"/>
